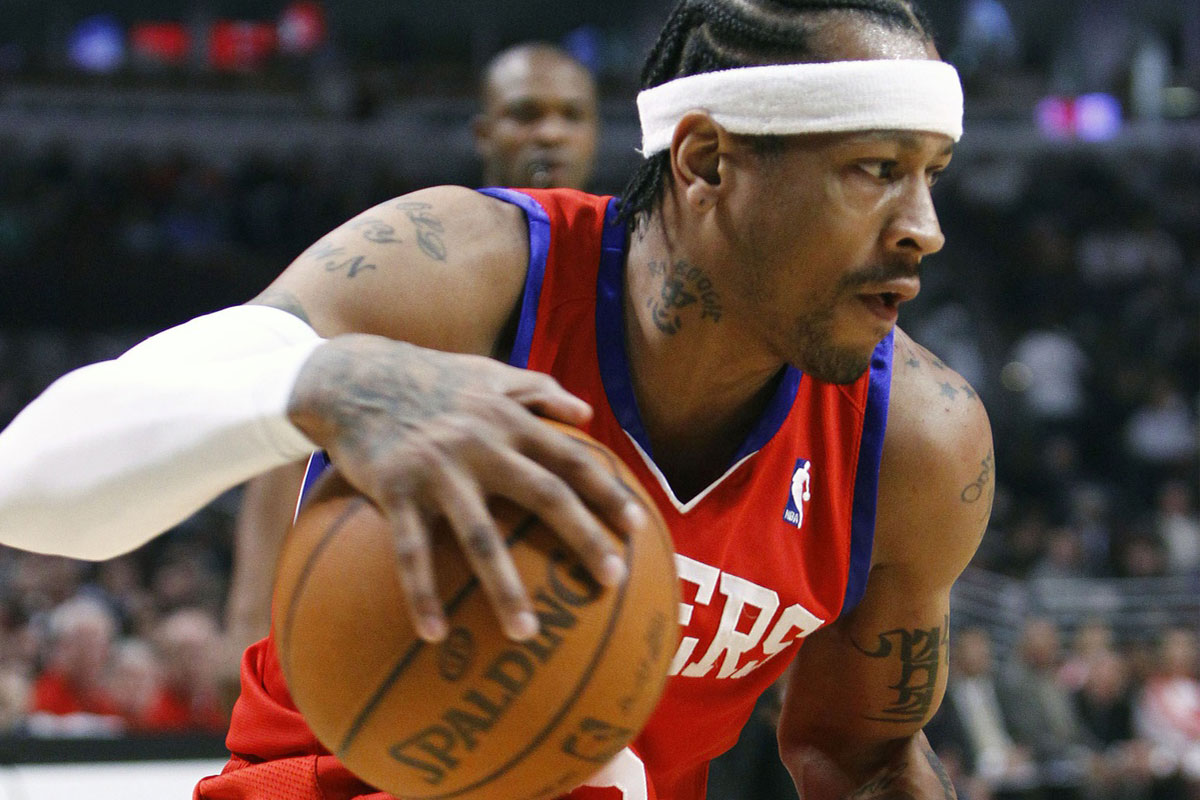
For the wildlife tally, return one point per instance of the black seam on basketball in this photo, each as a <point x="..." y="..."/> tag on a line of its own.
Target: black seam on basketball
<point x="356" y="727"/>
<point x="286" y="633"/>
<point x="568" y="702"/>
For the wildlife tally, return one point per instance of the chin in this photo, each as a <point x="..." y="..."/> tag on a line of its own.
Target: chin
<point x="840" y="368"/>
<point x="831" y="363"/>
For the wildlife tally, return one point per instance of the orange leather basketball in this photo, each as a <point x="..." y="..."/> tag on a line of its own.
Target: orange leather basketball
<point x="477" y="715"/>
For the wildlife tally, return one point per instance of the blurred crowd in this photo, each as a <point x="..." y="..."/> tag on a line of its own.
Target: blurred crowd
<point x="1096" y="721"/>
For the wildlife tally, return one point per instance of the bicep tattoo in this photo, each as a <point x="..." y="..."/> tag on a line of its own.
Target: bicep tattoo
<point x="981" y="486"/>
<point x="429" y="229"/>
<point x="919" y="655"/>
<point x="337" y="259"/>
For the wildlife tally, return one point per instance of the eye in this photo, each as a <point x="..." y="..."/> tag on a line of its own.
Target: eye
<point x="523" y="112"/>
<point x="934" y="175"/>
<point x="881" y="170"/>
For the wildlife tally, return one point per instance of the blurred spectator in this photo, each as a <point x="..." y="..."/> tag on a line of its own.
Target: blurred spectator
<point x="1093" y="641"/>
<point x="1054" y="367"/>
<point x="1063" y="557"/>
<point x="972" y="729"/>
<point x="188" y="643"/>
<point x="134" y="681"/>
<point x="1178" y="527"/>
<point x="1090" y="515"/>
<point x="1167" y="712"/>
<point x="1042" y="716"/>
<point x="1105" y="707"/>
<point x="75" y="681"/>
<point x="1161" y="432"/>
<point x="15" y="693"/>
<point x="1141" y="555"/>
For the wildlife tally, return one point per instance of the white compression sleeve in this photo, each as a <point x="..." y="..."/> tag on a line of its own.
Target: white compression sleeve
<point x="114" y="453"/>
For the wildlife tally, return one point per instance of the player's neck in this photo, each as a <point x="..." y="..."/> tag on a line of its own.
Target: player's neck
<point x="700" y="380"/>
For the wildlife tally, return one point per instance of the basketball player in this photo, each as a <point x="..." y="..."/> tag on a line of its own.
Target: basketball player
<point x="537" y="126"/>
<point x="728" y="329"/>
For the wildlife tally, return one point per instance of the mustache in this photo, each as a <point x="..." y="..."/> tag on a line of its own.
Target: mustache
<point x="880" y="273"/>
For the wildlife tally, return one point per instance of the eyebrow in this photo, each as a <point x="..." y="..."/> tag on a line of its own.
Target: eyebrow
<point x="906" y="139"/>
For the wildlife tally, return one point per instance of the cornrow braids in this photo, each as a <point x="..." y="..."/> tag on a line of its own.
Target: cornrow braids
<point x="710" y="35"/>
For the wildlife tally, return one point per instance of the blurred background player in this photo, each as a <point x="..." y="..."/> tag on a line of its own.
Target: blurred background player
<point x="539" y="123"/>
<point x="537" y="126"/>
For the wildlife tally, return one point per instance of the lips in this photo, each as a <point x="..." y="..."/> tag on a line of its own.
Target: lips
<point x="541" y="172"/>
<point x="883" y="300"/>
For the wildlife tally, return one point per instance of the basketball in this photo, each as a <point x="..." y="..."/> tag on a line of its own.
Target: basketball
<point x="476" y="715"/>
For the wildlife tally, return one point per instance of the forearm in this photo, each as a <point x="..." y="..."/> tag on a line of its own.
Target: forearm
<point x="114" y="453"/>
<point x="892" y="769"/>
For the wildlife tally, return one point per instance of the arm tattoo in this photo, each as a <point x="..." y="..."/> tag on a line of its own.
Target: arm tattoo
<point x="977" y="488"/>
<point x="936" y="765"/>
<point x="334" y="259"/>
<point x="429" y="229"/>
<point x="284" y="301"/>
<point x="683" y="285"/>
<point x="894" y="776"/>
<point x="376" y="230"/>
<point x="920" y="654"/>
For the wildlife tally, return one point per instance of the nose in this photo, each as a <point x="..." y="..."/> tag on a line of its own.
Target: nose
<point x="915" y="229"/>
<point x="552" y="129"/>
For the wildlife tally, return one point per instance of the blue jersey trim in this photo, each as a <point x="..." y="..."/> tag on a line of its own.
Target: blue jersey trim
<point x="318" y="462"/>
<point x="866" y="478"/>
<point x="774" y="415"/>
<point x="539" y="251"/>
<point x="614" y="358"/>
<point x="610" y="329"/>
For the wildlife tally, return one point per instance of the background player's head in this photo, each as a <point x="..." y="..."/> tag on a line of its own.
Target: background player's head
<point x="539" y="122"/>
<point x="709" y="35"/>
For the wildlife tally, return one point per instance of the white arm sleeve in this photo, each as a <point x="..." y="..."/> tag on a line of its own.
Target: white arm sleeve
<point x="112" y="454"/>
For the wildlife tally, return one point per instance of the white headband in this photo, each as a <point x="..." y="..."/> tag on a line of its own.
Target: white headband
<point x="824" y="97"/>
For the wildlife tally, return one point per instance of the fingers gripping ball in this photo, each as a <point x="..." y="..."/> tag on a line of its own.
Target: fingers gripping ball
<point x="477" y="715"/>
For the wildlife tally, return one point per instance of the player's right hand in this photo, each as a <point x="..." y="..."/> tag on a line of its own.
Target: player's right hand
<point x="427" y="434"/>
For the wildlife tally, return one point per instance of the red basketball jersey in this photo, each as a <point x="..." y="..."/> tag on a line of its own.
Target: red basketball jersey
<point x="776" y="548"/>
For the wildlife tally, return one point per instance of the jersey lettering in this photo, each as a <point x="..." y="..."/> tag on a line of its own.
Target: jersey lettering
<point x="742" y="598"/>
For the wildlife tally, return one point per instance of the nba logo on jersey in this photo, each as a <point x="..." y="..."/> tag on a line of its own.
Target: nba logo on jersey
<point x="799" y="494"/>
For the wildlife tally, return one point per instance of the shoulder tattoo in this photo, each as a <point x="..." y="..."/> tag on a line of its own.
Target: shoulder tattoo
<point x="951" y="386"/>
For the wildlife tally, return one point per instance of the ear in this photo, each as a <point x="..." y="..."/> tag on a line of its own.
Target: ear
<point x="696" y="151"/>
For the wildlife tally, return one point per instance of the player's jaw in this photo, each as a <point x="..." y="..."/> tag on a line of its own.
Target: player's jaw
<point x="834" y="344"/>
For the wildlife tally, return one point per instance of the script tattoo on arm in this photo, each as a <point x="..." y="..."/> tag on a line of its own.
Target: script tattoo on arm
<point x="977" y="488"/>
<point x="376" y="230"/>
<point x="429" y="229"/>
<point x="920" y="653"/>
<point x="683" y="285"/>
<point x="336" y="259"/>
